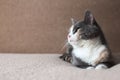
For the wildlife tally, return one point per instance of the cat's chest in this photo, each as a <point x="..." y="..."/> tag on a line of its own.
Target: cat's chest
<point x="82" y="53"/>
<point x="88" y="54"/>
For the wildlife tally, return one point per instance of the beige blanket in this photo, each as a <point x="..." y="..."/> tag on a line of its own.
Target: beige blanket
<point x="49" y="67"/>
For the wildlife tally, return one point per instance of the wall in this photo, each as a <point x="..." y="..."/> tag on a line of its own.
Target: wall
<point x="41" y="25"/>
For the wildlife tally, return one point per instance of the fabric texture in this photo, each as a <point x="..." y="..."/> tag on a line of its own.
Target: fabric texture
<point x="49" y="67"/>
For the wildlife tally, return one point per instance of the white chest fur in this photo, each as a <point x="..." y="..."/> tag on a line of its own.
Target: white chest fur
<point x="89" y="52"/>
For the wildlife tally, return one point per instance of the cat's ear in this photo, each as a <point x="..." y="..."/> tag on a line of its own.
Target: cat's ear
<point x="89" y="18"/>
<point x="73" y="21"/>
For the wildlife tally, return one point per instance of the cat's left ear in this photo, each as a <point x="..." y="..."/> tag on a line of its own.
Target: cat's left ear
<point x="73" y="21"/>
<point x="89" y="18"/>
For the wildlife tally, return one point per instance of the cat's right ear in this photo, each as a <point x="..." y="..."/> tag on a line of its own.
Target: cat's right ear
<point x="89" y="18"/>
<point x="73" y="21"/>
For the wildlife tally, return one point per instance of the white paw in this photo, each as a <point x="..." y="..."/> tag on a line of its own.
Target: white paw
<point x="101" y="66"/>
<point x="89" y="68"/>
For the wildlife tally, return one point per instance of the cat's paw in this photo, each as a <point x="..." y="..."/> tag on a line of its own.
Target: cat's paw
<point x="90" y="68"/>
<point x="66" y="57"/>
<point x="101" y="66"/>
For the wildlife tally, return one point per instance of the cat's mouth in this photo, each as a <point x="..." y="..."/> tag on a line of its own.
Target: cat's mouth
<point x="73" y="40"/>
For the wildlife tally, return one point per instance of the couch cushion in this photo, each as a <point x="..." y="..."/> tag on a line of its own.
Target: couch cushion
<point x="49" y="67"/>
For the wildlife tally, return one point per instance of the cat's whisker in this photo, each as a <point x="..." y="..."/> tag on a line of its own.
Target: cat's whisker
<point x="65" y="44"/>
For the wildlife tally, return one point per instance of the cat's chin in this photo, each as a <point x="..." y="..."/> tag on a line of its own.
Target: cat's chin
<point x="73" y="42"/>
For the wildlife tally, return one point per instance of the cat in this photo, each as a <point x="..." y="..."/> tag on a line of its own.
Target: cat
<point x="86" y="45"/>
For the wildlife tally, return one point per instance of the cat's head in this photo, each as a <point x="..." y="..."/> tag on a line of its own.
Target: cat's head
<point x="83" y="30"/>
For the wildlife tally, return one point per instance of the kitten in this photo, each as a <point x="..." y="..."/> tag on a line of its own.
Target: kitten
<point x="86" y="45"/>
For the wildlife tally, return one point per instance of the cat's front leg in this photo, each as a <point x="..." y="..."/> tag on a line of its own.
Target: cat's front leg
<point x="79" y="63"/>
<point x="67" y="56"/>
<point x="74" y="61"/>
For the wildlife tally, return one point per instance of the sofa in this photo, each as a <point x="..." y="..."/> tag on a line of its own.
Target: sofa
<point x="49" y="67"/>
